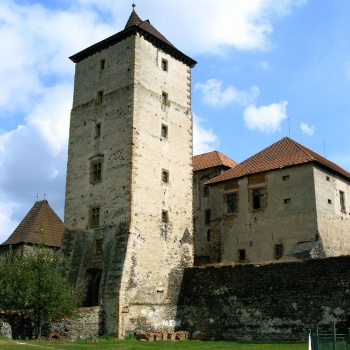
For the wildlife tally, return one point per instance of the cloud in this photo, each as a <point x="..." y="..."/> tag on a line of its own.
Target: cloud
<point x="204" y="140"/>
<point x="306" y="129"/>
<point x="215" y="95"/>
<point x="266" y="119"/>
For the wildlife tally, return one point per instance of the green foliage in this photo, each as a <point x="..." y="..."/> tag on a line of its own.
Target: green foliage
<point x="32" y="284"/>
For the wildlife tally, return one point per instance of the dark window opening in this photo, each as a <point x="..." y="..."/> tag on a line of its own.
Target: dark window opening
<point x="164" y="98"/>
<point x="241" y="254"/>
<point x="342" y="200"/>
<point x="96" y="172"/>
<point x="208" y="235"/>
<point x="329" y="201"/>
<point x="206" y="191"/>
<point x="207" y="217"/>
<point x="285" y="178"/>
<point x="97" y="130"/>
<point x="93" y="292"/>
<point x="287" y="200"/>
<point x="102" y="64"/>
<point x="164" y="131"/>
<point x="258" y="197"/>
<point x="231" y="202"/>
<point x="279" y="251"/>
<point x="165" y="176"/>
<point x="165" y="217"/>
<point x="99" y="97"/>
<point x="95" y="217"/>
<point x="327" y="178"/>
<point x="165" y="65"/>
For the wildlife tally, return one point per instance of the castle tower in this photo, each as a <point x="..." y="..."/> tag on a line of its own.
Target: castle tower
<point x="128" y="208"/>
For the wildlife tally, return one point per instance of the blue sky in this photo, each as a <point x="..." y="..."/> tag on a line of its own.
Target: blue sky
<point x="266" y="69"/>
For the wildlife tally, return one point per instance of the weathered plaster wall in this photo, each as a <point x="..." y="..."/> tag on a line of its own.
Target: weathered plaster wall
<point x="288" y="216"/>
<point x="279" y="301"/>
<point x="333" y="223"/>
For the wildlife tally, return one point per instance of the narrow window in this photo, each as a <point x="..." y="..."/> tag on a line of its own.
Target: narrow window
<point x="241" y="255"/>
<point x="164" y="65"/>
<point x="342" y="200"/>
<point x="258" y="198"/>
<point x="208" y="235"/>
<point x="278" y="251"/>
<point x="164" y="131"/>
<point x="102" y="64"/>
<point x="165" y="176"/>
<point x="98" y="246"/>
<point x="231" y="203"/>
<point x="164" y="98"/>
<point x="206" y="191"/>
<point x="97" y="130"/>
<point x="95" y="217"/>
<point x="285" y="177"/>
<point x="327" y="178"/>
<point x="287" y="200"/>
<point x="96" y="171"/>
<point x="99" y="97"/>
<point x="165" y="217"/>
<point x="207" y="216"/>
<point x="329" y="201"/>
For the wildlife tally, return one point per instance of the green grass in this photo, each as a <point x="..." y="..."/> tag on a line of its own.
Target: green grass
<point x="135" y="345"/>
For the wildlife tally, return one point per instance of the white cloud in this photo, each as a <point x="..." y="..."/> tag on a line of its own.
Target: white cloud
<point x="215" y="95"/>
<point x="266" y="119"/>
<point x="307" y="129"/>
<point x="204" y="140"/>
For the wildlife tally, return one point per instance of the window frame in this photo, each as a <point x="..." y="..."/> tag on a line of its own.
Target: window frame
<point x="165" y="65"/>
<point x="278" y="251"/>
<point x="261" y="196"/>
<point x="96" y="170"/>
<point x="164" y="131"/>
<point x="165" y="99"/>
<point x="94" y="216"/>
<point x="165" y="176"/>
<point x="235" y="201"/>
<point x="165" y="217"/>
<point x="342" y="201"/>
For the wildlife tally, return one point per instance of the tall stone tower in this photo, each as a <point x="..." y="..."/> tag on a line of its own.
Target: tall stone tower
<point x="128" y="208"/>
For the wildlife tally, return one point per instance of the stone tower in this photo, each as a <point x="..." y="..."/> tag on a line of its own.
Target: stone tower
<point x="128" y="208"/>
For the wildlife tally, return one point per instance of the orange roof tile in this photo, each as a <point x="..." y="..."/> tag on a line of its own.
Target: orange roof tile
<point x="41" y="216"/>
<point x="212" y="159"/>
<point x="283" y="153"/>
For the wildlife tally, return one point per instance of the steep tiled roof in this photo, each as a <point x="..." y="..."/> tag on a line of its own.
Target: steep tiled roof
<point x="41" y="216"/>
<point x="212" y="159"/>
<point x="283" y="153"/>
<point x="136" y="25"/>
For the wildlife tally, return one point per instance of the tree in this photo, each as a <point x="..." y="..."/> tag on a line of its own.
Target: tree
<point x="33" y="285"/>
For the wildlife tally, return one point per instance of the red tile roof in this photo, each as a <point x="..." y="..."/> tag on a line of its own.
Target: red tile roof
<point x="281" y="154"/>
<point x="133" y="26"/>
<point x="41" y="216"/>
<point x="212" y="159"/>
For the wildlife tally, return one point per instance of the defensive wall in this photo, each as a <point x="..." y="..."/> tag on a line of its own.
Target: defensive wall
<point x="276" y="301"/>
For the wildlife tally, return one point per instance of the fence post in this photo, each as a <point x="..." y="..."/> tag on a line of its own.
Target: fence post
<point x="334" y="337"/>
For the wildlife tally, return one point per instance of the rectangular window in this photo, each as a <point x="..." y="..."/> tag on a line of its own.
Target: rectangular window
<point x="207" y="217"/>
<point x="287" y="200"/>
<point x="164" y="98"/>
<point x="241" y="255"/>
<point x="231" y="203"/>
<point x="342" y="200"/>
<point x="258" y="198"/>
<point x="97" y="130"/>
<point x="102" y="64"/>
<point x="285" y="177"/>
<point x="327" y="178"/>
<point x="99" y="97"/>
<point x="165" y="176"/>
<point x="96" y="171"/>
<point x="164" y="131"/>
<point x="278" y="251"/>
<point x="165" y="217"/>
<point x="206" y="191"/>
<point x="164" y="65"/>
<point x="95" y="217"/>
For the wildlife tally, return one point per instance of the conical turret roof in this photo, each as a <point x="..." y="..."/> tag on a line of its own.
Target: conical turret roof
<point x="40" y="226"/>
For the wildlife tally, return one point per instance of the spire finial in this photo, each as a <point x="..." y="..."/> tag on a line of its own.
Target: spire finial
<point x="133" y="5"/>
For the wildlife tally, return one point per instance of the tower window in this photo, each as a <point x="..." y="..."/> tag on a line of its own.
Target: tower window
<point x="164" y="131"/>
<point x="208" y="235"/>
<point x="241" y="255"/>
<point x="207" y="217"/>
<point x="102" y="64"/>
<point x="164" y="99"/>
<point x="206" y="191"/>
<point x="231" y="203"/>
<point x="99" y="97"/>
<point x="164" y="65"/>
<point x="165" y="176"/>
<point x="97" y="130"/>
<point x="96" y="171"/>
<point x="165" y="217"/>
<point x="94" y="217"/>
<point x="278" y="251"/>
<point x="342" y="200"/>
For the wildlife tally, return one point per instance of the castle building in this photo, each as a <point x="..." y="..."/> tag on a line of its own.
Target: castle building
<point x="128" y="208"/>
<point x="285" y="202"/>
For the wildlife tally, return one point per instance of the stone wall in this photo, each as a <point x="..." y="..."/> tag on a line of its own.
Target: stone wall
<point x="278" y="301"/>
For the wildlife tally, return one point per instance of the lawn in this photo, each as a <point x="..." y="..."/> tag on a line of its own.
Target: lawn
<point x="135" y="345"/>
